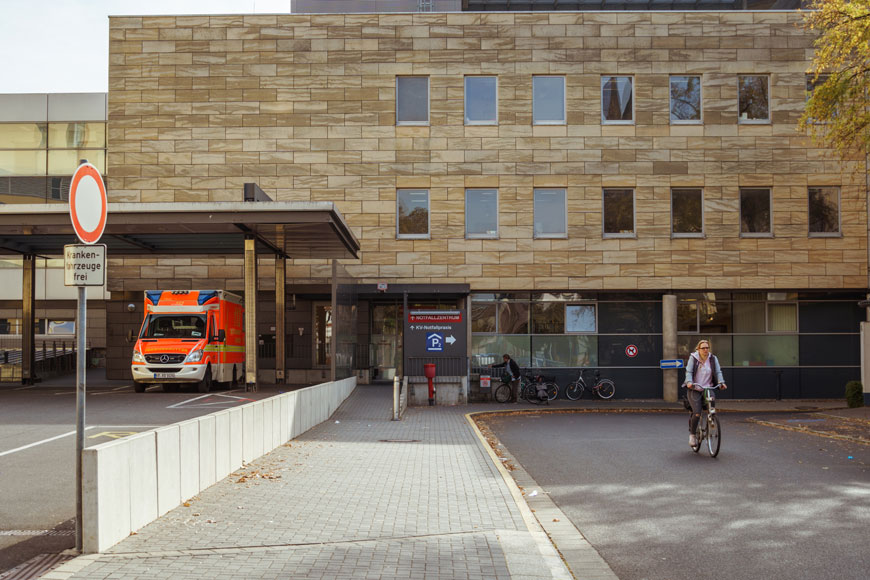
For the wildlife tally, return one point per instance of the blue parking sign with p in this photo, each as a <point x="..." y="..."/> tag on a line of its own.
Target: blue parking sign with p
<point x="434" y="342"/>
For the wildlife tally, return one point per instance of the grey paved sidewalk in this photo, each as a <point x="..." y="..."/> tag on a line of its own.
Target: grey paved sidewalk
<point x="359" y="496"/>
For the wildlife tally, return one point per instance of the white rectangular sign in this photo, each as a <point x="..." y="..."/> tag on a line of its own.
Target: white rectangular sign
<point x="84" y="265"/>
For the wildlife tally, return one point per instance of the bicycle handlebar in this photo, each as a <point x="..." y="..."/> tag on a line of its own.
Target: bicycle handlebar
<point x="697" y="387"/>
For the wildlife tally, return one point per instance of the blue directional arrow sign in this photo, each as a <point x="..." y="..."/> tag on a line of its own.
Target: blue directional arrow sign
<point x="676" y="363"/>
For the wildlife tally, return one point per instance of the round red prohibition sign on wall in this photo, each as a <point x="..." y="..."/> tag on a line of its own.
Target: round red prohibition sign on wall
<point x="631" y="351"/>
<point x="87" y="203"/>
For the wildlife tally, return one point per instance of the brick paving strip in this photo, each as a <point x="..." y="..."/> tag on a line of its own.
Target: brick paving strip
<point x="357" y="496"/>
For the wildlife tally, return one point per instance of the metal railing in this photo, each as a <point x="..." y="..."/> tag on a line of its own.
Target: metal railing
<point x="452" y="366"/>
<point x="51" y="357"/>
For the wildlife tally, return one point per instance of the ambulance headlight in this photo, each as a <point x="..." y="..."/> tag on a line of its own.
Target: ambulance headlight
<point x="137" y="357"/>
<point x="194" y="356"/>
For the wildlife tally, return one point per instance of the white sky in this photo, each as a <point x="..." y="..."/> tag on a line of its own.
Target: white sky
<point x="62" y="46"/>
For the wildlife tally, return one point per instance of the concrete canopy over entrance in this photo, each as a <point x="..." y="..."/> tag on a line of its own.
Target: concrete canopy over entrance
<point x="301" y="230"/>
<point x="295" y="229"/>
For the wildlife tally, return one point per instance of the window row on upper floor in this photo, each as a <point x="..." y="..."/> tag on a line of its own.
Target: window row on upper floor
<point x="41" y="149"/>
<point x="549" y="99"/>
<point x="550" y="213"/>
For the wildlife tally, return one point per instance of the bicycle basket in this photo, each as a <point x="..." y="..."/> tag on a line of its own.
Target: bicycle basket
<point x="506" y="378"/>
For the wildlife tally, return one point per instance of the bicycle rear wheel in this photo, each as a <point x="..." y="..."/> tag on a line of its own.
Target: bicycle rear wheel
<point x="605" y="388"/>
<point x="575" y="390"/>
<point x="502" y="393"/>
<point x="552" y="391"/>
<point x="714" y="435"/>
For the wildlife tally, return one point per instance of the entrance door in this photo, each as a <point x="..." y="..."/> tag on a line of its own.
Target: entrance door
<point x="386" y="345"/>
<point x="322" y="335"/>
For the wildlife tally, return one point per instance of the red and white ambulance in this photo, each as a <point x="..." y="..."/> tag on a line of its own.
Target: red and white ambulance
<point x="190" y="336"/>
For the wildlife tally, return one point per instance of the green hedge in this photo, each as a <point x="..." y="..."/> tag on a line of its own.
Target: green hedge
<point x="854" y="394"/>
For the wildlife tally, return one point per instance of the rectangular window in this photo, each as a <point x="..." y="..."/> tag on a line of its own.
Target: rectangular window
<point x="481" y="101"/>
<point x="65" y="161"/>
<point x="481" y="213"/>
<point x="687" y="317"/>
<point x="551" y="215"/>
<point x="548" y="318"/>
<point x="548" y="100"/>
<point x="813" y="82"/>
<point x="618" y="211"/>
<point x="755" y="213"/>
<point x="22" y="162"/>
<point x="824" y="212"/>
<point x="76" y="135"/>
<point x="513" y="318"/>
<point x="412" y="100"/>
<point x="412" y="213"/>
<point x="617" y="104"/>
<point x="564" y="351"/>
<point x="483" y="318"/>
<point x="753" y="105"/>
<point x="687" y="213"/>
<point x="685" y="99"/>
<point x="580" y="318"/>
<point x="23" y="135"/>
<point x="782" y="317"/>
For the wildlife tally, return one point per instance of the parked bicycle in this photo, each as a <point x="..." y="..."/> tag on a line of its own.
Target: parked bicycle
<point x="530" y="384"/>
<point x="709" y="428"/>
<point x="604" y="388"/>
<point x="528" y="388"/>
<point x="502" y="392"/>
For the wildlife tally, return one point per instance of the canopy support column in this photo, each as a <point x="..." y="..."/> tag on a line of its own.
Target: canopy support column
<point x="251" y="339"/>
<point x="280" y="319"/>
<point x="28" y="338"/>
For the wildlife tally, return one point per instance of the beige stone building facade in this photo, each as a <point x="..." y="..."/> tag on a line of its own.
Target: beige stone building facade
<point x="631" y="155"/>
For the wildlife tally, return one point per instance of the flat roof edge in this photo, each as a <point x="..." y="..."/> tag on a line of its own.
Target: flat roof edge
<point x="180" y="207"/>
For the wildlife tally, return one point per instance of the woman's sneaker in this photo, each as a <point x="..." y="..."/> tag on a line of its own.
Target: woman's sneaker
<point x="693" y="441"/>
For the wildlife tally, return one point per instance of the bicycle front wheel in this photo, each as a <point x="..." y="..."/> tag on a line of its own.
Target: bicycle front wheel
<point x="700" y="433"/>
<point x="552" y="391"/>
<point x="502" y="393"/>
<point x="575" y="390"/>
<point x="605" y="388"/>
<point x="714" y="435"/>
<point x="530" y="394"/>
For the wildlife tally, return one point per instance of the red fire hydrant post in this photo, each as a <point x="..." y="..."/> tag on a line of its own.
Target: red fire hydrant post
<point x="429" y="371"/>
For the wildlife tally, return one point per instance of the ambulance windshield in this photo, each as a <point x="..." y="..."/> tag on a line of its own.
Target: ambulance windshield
<point x="174" y="326"/>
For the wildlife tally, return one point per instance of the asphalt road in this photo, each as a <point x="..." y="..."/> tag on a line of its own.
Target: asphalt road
<point x="774" y="504"/>
<point x="37" y="450"/>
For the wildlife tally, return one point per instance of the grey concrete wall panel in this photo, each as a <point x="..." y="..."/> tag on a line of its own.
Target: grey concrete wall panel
<point x="77" y="107"/>
<point x="23" y="107"/>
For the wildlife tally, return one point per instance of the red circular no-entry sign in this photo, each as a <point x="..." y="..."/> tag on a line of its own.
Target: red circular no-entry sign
<point x="87" y="203"/>
<point x="631" y="351"/>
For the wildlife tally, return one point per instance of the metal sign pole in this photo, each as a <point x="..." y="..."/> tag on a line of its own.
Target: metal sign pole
<point x="81" y="365"/>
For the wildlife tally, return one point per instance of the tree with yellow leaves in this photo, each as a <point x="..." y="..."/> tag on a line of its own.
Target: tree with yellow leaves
<point x="837" y="113"/>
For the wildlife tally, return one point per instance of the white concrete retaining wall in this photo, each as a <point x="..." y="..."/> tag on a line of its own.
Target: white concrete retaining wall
<point x="130" y="482"/>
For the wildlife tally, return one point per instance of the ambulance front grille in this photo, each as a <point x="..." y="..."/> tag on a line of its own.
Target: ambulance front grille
<point x="170" y="358"/>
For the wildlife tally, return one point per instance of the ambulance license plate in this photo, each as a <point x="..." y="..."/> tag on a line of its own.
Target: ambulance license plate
<point x="164" y="375"/>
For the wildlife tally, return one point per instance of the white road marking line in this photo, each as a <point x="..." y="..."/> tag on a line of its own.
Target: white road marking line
<point x="49" y="440"/>
<point x="23" y="388"/>
<point x="176" y="405"/>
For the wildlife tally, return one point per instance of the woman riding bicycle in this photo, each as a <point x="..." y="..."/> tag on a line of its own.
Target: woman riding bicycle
<point x="702" y="368"/>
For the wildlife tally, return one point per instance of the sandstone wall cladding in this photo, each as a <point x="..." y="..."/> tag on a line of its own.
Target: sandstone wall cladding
<point x="304" y="105"/>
